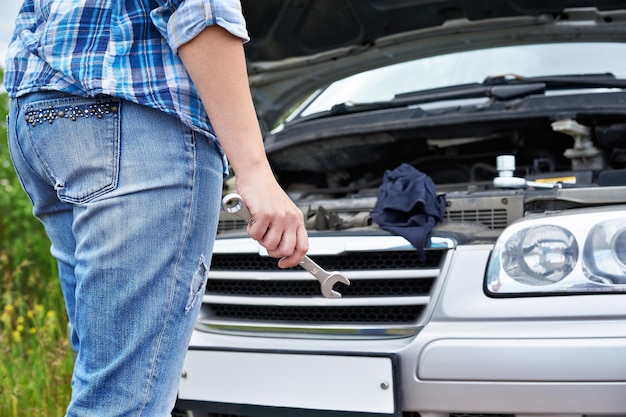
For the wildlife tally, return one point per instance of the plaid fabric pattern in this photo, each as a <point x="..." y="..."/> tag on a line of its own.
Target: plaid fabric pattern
<point x="123" y="48"/>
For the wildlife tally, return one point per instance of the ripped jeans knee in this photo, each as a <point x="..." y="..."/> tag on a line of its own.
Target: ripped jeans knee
<point x="198" y="284"/>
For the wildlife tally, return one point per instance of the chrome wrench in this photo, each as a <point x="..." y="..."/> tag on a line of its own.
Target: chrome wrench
<point x="233" y="203"/>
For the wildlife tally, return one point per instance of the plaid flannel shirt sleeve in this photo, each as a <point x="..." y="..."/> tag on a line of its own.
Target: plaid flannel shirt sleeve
<point x="179" y="21"/>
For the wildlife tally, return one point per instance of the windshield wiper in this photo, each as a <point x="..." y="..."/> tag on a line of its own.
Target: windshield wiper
<point x="465" y="91"/>
<point x="510" y="87"/>
<point x="498" y="88"/>
<point x="606" y="80"/>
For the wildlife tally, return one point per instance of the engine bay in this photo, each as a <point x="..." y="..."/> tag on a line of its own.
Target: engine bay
<point x="595" y="154"/>
<point x="562" y="152"/>
<point x="560" y="163"/>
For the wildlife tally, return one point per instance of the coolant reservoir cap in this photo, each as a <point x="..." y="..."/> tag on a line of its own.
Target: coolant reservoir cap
<point x="505" y="165"/>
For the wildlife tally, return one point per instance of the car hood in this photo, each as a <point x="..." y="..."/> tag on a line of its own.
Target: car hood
<point x="299" y="46"/>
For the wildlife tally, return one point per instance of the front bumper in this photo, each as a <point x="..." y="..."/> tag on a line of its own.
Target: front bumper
<point x="558" y="356"/>
<point x="433" y="374"/>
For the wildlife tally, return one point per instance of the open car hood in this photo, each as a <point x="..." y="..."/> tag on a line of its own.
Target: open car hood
<point x="299" y="46"/>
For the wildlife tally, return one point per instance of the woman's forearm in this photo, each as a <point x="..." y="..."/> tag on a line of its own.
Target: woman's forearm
<point x="215" y="61"/>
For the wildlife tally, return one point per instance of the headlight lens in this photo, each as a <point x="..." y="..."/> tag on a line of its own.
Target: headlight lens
<point x="605" y="253"/>
<point x="542" y="255"/>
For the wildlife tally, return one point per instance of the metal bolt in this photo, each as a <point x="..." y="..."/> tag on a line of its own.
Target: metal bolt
<point x="384" y="385"/>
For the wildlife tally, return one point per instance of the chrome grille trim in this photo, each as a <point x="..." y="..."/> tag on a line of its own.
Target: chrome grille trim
<point x="305" y="276"/>
<point x="316" y="301"/>
<point x="307" y="331"/>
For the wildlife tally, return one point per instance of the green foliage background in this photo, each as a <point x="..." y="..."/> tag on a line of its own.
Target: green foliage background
<point x="36" y="363"/>
<point x="28" y="268"/>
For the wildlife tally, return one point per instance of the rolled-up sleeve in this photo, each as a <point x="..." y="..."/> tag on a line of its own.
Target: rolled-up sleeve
<point x="179" y="21"/>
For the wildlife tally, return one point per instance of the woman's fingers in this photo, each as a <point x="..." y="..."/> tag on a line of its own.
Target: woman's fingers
<point x="279" y="227"/>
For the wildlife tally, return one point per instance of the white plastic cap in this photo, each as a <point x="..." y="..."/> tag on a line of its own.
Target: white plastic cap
<point x="505" y="165"/>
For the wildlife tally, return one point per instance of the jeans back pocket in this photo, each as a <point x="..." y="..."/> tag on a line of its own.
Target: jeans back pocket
<point x="77" y="143"/>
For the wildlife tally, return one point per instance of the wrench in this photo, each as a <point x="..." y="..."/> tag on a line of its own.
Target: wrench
<point x="233" y="203"/>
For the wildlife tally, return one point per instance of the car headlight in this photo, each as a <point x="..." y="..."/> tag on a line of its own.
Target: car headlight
<point x="604" y="255"/>
<point x="561" y="253"/>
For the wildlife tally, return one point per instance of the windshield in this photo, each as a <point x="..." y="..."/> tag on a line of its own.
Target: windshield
<point x="383" y="84"/>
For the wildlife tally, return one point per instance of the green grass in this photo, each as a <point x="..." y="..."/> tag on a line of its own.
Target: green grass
<point x="36" y="360"/>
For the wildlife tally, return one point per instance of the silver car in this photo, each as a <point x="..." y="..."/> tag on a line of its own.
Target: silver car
<point x="509" y="299"/>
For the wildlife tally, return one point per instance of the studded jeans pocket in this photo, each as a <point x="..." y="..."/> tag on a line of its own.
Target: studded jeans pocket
<point x="76" y="142"/>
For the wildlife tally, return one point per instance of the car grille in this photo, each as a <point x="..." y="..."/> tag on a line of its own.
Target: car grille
<point x="361" y="314"/>
<point x="388" y="293"/>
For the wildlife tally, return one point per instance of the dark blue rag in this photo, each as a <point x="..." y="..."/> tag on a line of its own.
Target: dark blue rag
<point x="408" y="205"/>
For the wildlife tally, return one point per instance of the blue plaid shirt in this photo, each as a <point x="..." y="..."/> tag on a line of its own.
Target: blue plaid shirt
<point x="124" y="48"/>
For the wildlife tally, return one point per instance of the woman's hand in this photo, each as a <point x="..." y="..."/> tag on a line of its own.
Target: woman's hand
<point x="278" y="225"/>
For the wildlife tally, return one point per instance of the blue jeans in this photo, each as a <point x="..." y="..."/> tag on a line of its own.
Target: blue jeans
<point x="130" y="200"/>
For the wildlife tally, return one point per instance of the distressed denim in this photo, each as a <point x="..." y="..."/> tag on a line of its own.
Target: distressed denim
<point x="130" y="200"/>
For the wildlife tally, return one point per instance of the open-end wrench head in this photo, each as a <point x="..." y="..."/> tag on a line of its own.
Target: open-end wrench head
<point x="329" y="283"/>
